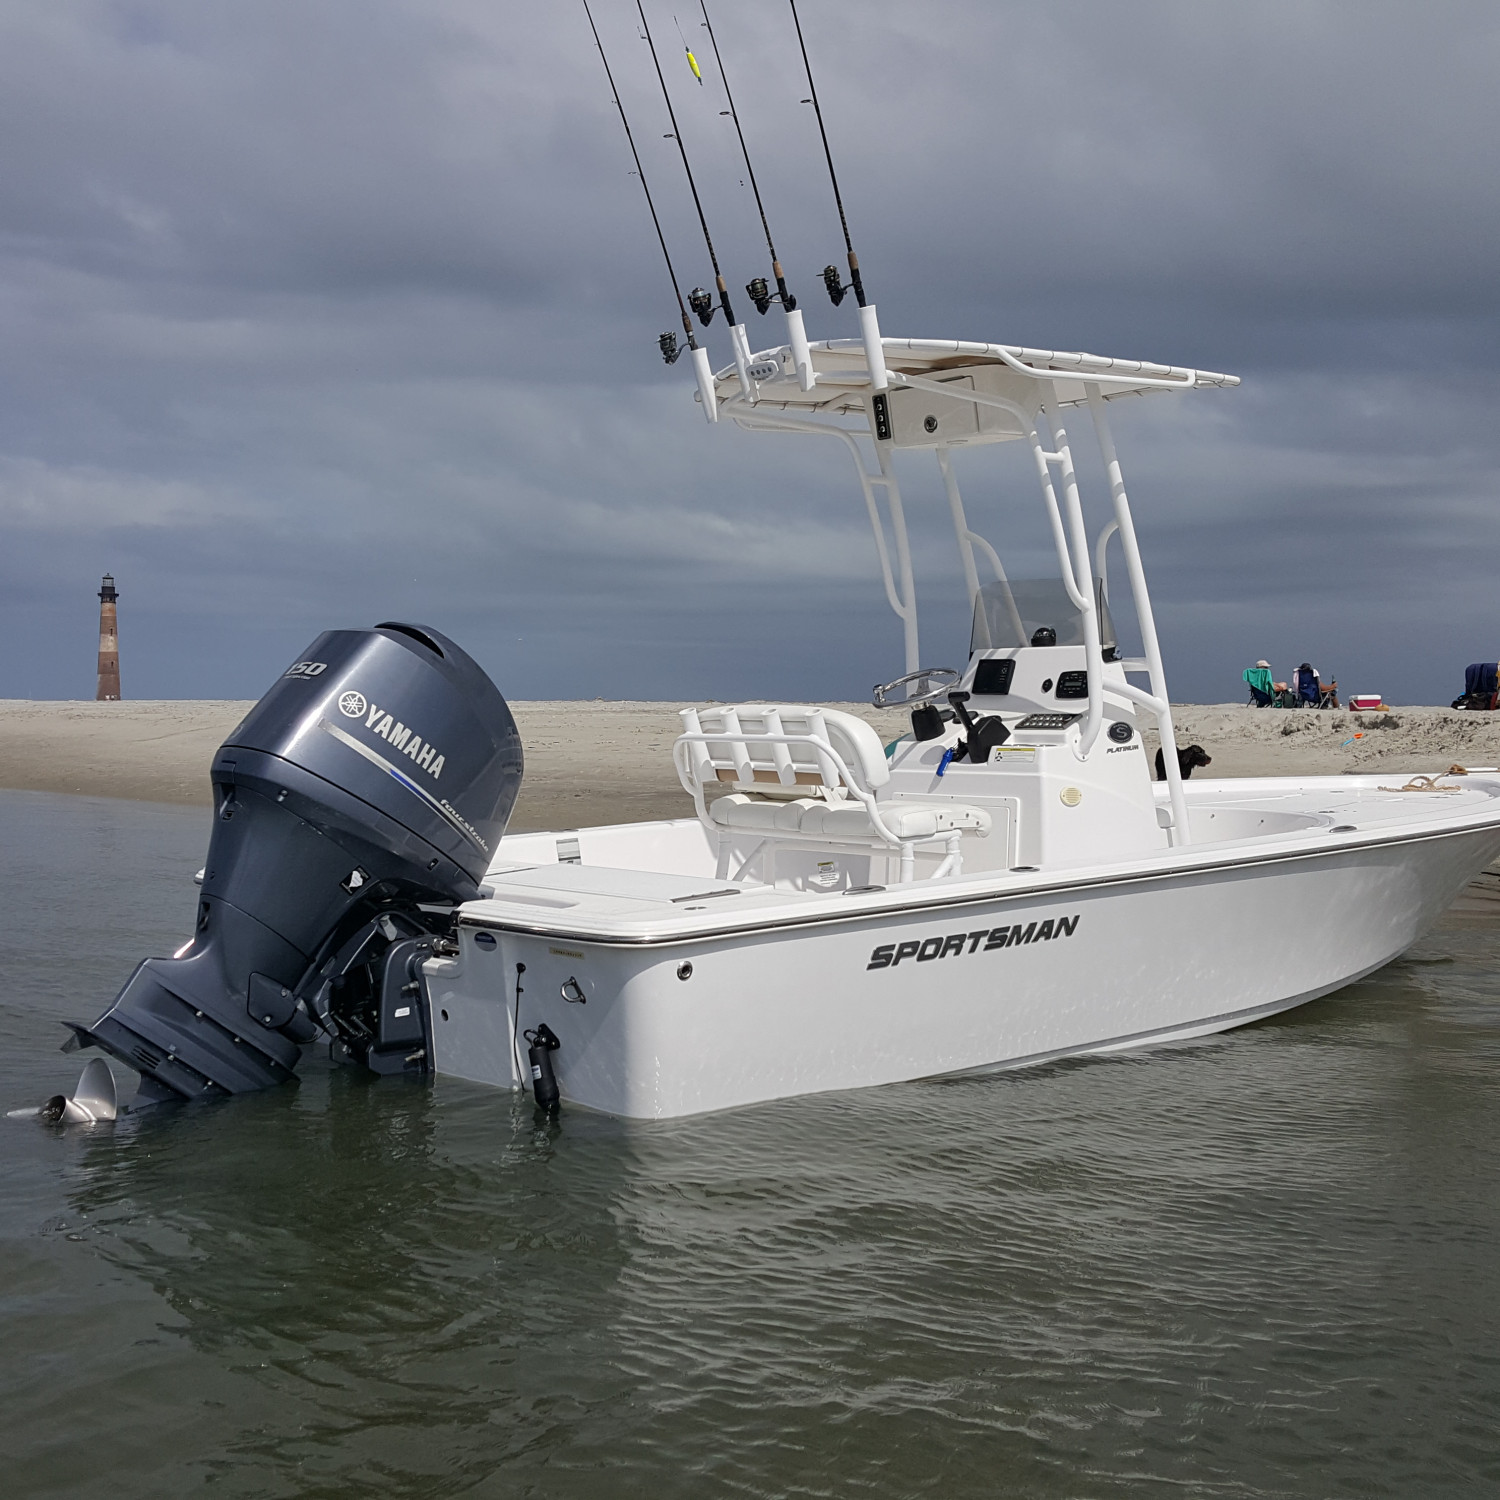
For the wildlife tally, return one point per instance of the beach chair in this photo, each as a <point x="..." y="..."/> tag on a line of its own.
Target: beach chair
<point x="1328" y="694"/>
<point x="1262" y="690"/>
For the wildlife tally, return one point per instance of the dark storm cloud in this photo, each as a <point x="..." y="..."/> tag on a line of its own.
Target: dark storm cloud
<point x="321" y="314"/>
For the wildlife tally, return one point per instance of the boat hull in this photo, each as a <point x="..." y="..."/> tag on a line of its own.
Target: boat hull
<point x="688" y="1026"/>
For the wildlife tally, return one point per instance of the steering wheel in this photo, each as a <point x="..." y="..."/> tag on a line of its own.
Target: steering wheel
<point x="930" y="692"/>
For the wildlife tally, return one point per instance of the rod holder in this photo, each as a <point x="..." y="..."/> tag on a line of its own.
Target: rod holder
<point x="801" y="355"/>
<point x="869" y="328"/>
<point x="741" y="346"/>
<point x="705" y="378"/>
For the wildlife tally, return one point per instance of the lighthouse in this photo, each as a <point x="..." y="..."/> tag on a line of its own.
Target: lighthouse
<point x="109" y="644"/>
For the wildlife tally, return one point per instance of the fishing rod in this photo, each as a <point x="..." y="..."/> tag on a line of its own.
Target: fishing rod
<point x="668" y="341"/>
<point x="869" y="327"/>
<point x="700" y="301"/>
<point x="757" y="290"/>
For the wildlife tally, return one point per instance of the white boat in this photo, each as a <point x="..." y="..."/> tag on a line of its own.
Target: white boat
<point x="1005" y="883"/>
<point x="831" y="913"/>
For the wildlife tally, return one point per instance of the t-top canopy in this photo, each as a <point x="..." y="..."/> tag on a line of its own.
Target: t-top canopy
<point x="946" y="392"/>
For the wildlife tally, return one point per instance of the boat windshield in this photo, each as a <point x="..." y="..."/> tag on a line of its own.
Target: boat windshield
<point x="1010" y="614"/>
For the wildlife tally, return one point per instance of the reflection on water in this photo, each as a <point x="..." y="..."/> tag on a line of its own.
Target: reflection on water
<point x="1257" y="1265"/>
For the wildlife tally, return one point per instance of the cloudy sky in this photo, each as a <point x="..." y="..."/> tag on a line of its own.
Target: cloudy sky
<point x="323" y="312"/>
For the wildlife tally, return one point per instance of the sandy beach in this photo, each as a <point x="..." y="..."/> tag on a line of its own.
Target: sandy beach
<point x="610" y="762"/>
<point x="1303" y="742"/>
<point x="586" y="762"/>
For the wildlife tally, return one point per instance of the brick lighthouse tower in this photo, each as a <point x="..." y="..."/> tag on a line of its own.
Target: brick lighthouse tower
<point x="109" y="644"/>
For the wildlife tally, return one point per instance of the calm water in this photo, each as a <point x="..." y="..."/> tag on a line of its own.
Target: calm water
<point x="1260" y="1265"/>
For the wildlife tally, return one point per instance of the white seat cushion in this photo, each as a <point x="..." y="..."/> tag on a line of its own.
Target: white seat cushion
<point x="812" y="818"/>
<point x="907" y="820"/>
<point x="757" y="814"/>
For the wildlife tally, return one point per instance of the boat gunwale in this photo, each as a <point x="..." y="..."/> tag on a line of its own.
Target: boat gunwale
<point x="1062" y="882"/>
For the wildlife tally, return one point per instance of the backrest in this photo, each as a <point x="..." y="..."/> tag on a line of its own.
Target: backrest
<point x="763" y="747"/>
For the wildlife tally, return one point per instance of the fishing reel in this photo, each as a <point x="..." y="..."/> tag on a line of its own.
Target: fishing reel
<point x="760" y="293"/>
<point x="702" y="304"/>
<point x="833" y="281"/>
<point x="670" y="352"/>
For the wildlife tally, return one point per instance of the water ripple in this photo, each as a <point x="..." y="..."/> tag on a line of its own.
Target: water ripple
<point x="1253" y="1266"/>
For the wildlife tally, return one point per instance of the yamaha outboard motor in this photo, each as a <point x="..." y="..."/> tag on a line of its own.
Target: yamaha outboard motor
<point x="359" y="802"/>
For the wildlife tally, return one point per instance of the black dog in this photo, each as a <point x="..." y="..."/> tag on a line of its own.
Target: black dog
<point x="1188" y="759"/>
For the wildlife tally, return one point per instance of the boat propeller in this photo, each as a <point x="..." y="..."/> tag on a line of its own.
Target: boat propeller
<point x="91" y="1101"/>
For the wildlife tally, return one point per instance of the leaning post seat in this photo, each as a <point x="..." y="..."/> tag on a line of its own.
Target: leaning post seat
<point x="805" y="776"/>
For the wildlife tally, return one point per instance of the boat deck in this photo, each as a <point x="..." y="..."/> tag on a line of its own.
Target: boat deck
<point x="652" y="883"/>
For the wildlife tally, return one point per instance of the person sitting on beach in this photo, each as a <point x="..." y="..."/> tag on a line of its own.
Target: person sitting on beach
<point x="1258" y="680"/>
<point x="1481" y="686"/>
<point x="1306" y="686"/>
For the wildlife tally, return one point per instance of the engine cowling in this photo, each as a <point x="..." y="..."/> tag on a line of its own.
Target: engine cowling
<point x="355" y="805"/>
